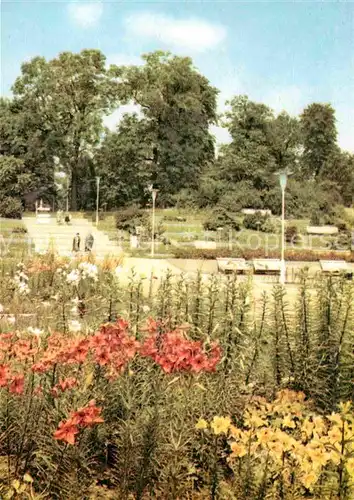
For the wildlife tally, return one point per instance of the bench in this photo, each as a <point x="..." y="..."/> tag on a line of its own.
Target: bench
<point x="336" y="268"/>
<point x="267" y="266"/>
<point x="231" y="265"/>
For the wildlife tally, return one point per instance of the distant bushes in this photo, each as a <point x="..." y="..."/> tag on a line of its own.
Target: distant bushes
<point x="10" y="208"/>
<point x="260" y="253"/>
<point x="221" y="218"/>
<point x="260" y="222"/>
<point x="129" y="218"/>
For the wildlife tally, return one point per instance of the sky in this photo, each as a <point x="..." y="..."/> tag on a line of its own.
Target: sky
<point x="285" y="54"/>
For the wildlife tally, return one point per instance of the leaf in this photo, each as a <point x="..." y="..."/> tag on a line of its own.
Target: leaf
<point x="27" y="478"/>
<point x="88" y="380"/>
<point x="16" y="485"/>
<point x="173" y="381"/>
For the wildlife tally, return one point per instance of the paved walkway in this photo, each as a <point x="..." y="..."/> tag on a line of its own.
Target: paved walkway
<point x="43" y="234"/>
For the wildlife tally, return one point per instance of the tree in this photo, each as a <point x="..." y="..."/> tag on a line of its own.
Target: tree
<point x="14" y="183"/>
<point x="178" y="105"/>
<point x="340" y="169"/>
<point x="319" y="136"/>
<point x="248" y="156"/>
<point x="121" y="164"/>
<point x="64" y="99"/>
<point x="284" y="141"/>
<point x="20" y="140"/>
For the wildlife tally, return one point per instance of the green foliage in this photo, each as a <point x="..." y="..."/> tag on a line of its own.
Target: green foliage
<point x="129" y="218"/>
<point x="64" y="99"/>
<point x="10" y="208"/>
<point x="242" y="195"/>
<point x="121" y="162"/>
<point x="220" y="217"/>
<point x="178" y="105"/>
<point x="149" y="445"/>
<point x="291" y="234"/>
<point x="257" y="222"/>
<point x="319" y="133"/>
<point x="14" y="183"/>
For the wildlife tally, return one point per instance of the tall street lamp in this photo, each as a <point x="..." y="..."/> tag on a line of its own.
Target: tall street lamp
<point x="283" y="178"/>
<point x="97" y="197"/>
<point x="153" y="194"/>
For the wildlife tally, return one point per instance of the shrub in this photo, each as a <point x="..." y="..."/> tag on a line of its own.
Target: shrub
<point x="270" y="226"/>
<point x="173" y="218"/>
<point x="256" y="221"/>
<point x="291" y="234"/>
<point x="19" y="230"/>
<point x="315" y="219"/>
<point x="243" y="195"/>
<point x="291" y="255"/>
<point x="129" y="218"/>
<point x="221" y="218"/>
<point x="10" y="208"/>
<point x="186" y="198"/>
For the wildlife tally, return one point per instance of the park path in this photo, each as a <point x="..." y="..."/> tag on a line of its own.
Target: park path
<point x="42" y="234"/>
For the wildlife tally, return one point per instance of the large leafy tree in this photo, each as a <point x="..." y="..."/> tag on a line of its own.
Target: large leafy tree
<point x="340" y="170"/>
<point x="284" y="142"/>
<point x="319" y="136"/>
<point x="178" y="105"/>
<point x="20" y="140"/>
<point x="15" y="182"/>
<point x="121" y="163"/>
<point x="64" y="99"/>
<point x="248" y="156"/>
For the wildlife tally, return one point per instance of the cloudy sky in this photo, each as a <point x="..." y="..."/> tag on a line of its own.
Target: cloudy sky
<point x="286" y="54"/>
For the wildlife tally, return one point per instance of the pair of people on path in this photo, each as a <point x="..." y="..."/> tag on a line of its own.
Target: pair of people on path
<point x="88" y="242"/>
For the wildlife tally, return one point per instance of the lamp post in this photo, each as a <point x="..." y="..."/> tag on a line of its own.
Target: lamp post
<point x="153" y="194"/>
<point x="97" y="197"/>
<point x="283" y="177"/>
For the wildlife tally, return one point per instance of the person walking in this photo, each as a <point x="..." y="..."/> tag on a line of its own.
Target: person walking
<point x="89" y="242"/>
<point x="76" y="243"/>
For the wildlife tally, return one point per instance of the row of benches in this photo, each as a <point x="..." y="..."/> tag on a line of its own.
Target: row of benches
<point x="273" y="266"/>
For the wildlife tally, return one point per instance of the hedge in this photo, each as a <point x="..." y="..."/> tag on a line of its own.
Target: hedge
<point x="249" y="254"/>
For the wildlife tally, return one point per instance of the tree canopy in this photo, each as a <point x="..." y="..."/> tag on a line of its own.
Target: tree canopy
<point x="57" y="111"/>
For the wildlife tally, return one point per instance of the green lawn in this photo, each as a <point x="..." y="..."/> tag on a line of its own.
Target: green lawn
<point x="192" y="229"/>
<point x="14" y="240"/>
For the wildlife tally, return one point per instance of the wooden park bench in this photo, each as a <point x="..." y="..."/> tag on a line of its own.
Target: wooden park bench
<point x="231" y="265"/>
<point x="267" y="266"/>
<point x="336" y="268"/>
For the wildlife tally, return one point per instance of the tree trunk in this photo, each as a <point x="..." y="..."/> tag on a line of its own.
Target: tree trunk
<point x="73" y="190"/>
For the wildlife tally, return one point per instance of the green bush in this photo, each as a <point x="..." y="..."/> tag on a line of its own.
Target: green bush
<point x="291" y="234"/>
<point x="129" y="218"/>
<point x="256" y="221"/>
<point x="315" y="219"/>
<point x="19" y="230"/>
<point x="292" y="255"/>
<point x="221" y="218"/>
<point x="186" y="198"/>
<point x="10" y="208"/>
<point x="242" y="196"/>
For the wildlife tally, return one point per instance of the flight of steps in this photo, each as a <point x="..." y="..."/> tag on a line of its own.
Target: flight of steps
<point x="45" y="231"/>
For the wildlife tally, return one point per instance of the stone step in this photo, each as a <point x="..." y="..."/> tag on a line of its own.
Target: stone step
<point x="61" y="235"/>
